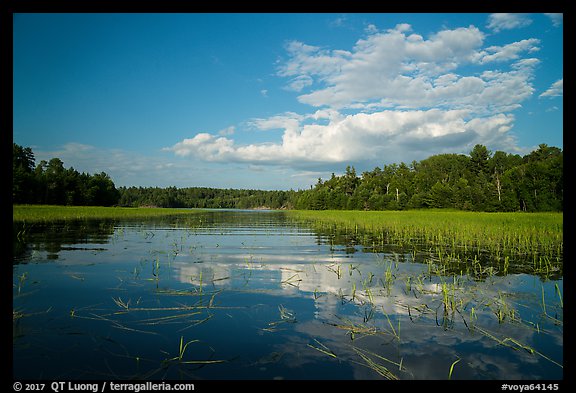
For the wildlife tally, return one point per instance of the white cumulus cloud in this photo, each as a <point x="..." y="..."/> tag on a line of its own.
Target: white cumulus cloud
<point x="510" y="51"/>
<point x="503" y="21"/>
<point x="556" y="90"/>
<point x="401" y="69"/>
<point x="358" y="137"/>
<point x="395" y="96"/>
<point x="205" y="145"/>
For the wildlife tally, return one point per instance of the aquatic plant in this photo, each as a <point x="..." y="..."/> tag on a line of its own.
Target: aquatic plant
<point x="323" y="349"/>
<point x="453" y="235"/>
<point x="379" y="367"/>
<point x="179" y="358"/>
<point x="452" y="368"/>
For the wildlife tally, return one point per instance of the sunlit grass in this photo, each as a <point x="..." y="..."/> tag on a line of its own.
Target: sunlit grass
<point x="449" y="234"/>
<point x="46" y="213"/>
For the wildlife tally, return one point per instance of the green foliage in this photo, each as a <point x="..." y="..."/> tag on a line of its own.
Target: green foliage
<point x="478" y="182"/>
<point x="22" y="172"/>
<point x="51" y="183"/>
<point x="479" y="157"/>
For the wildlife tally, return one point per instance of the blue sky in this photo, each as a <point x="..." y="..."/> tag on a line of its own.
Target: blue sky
<point x="274" y="101"/>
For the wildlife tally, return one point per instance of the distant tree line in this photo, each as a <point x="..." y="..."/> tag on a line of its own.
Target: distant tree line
<point x="205" y="198"/>
<point x="52" y="184"/>
<point x="480" y="181"/>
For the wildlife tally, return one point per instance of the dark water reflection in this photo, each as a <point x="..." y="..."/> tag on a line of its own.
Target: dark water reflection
<point x="258" y="296"/>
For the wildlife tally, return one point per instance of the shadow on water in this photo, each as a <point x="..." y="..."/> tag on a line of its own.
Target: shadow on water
<point x="256" y="295"/>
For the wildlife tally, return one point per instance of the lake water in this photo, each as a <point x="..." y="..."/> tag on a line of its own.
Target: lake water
<point x="255" y="295"/>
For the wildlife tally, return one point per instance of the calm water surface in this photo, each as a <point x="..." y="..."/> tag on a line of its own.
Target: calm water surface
<point x="253" y="295"/>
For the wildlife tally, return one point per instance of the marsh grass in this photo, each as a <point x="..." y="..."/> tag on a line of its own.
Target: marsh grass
<point x="559" y="295"/>
<point x="180" y="363"/>
<point x="286" y="316"/>
<point x="516" y="345"/>
<point x="18" y="314"/>
<point x="21" y="280"/>
<point x="377" y="363"/>
<point x="463" y="295"/>
<point x="355" y="328"/>
<point x="454" y="237"/>
<point x="323" y="349"/>
<point x="180" y="359"/>
<point x="188" y="315"/>
<point x="452" y="368"/>
<point x="51" y="213"/>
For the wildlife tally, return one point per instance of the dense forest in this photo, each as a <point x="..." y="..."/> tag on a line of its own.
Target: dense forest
<point x="50" y="183"/>
<point x="480" y="181"/>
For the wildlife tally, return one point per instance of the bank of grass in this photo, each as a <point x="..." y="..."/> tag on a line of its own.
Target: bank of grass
<point x="523" y="233"/>
<point x="46" y="213"/>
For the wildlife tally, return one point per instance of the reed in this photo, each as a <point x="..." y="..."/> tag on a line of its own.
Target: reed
<point x="452" y="368"/>
<point x="323" y="349"/>
<point x="559" y="294"/>
<point x="393" y="331"/>
<point x="453" y="234"/>
<point x="21" y="279"/>
<point x="352" y="328"/>
<point x="375" y="365"/>
<point x="286" y="316"/>
<point x="179" y="358"/>
<point x="293" y="280"/>
<point x="517" y="345"/>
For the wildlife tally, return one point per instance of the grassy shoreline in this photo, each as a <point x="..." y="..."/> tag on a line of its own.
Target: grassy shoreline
<point x="432" y="218"/>
<point x="524" y="233"/>
<point x="45" y="213"/>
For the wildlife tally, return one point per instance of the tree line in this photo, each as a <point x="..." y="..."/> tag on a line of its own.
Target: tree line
<point x="480" y="181"/>
<point x="205" y="198"/>
<point x="52" y="184"/>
